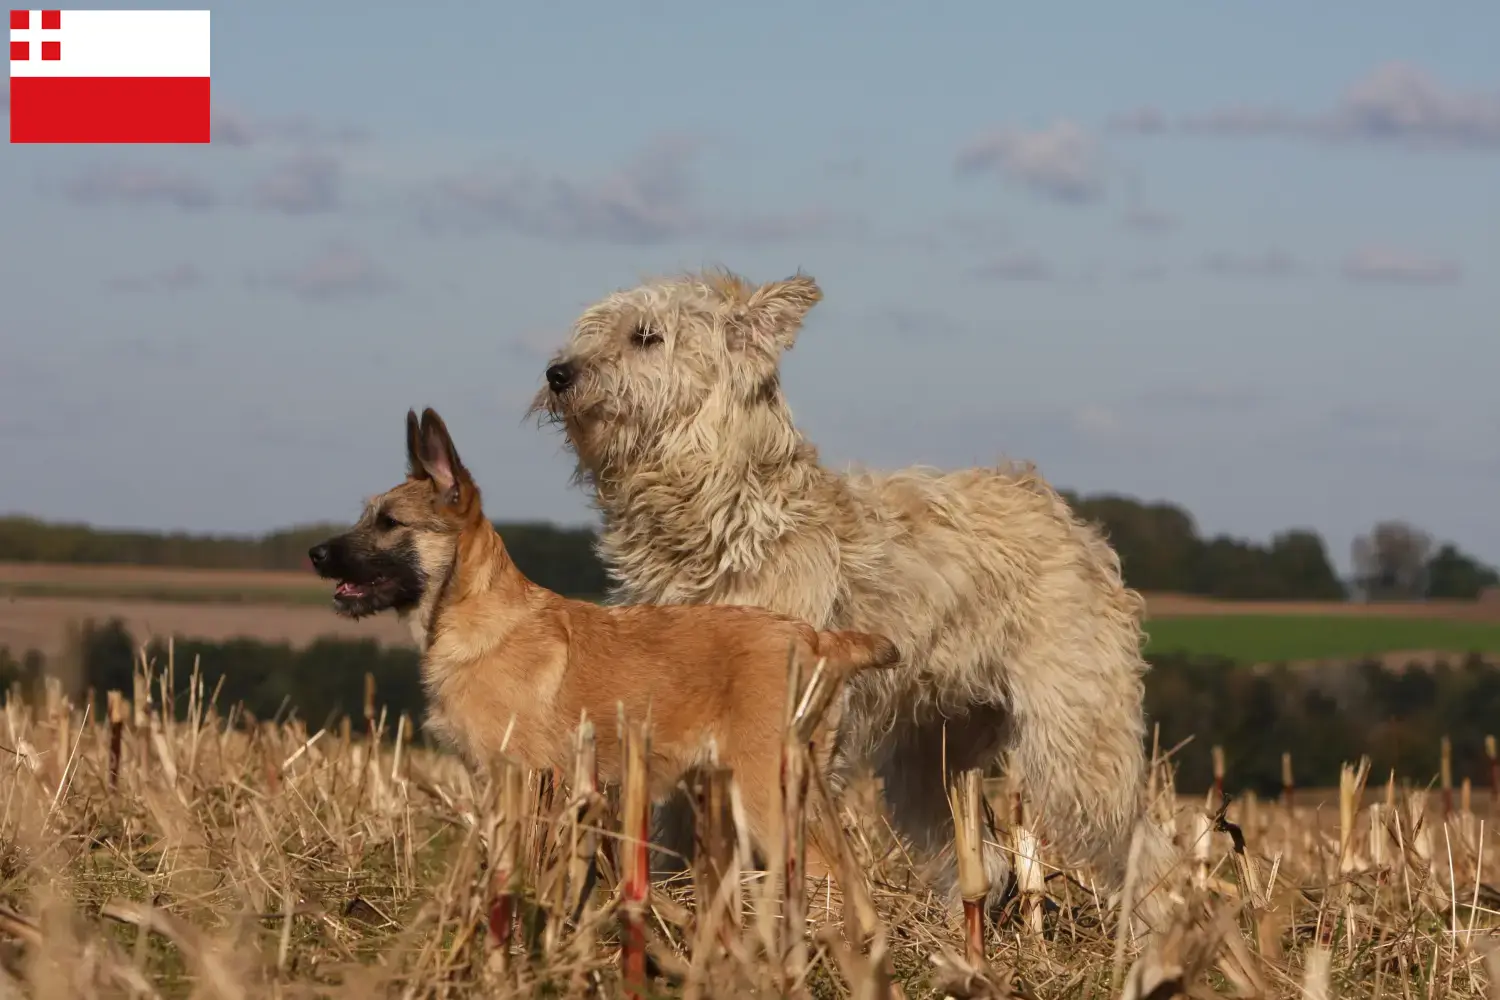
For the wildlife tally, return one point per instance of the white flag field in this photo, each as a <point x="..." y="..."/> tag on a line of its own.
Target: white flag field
<point x="109" y="76"/>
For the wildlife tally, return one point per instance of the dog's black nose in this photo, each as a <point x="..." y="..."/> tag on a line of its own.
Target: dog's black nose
<point x="317" y="554"/>
<point x="560" y="376"/>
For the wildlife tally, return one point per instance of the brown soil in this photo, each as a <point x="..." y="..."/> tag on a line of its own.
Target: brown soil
<point x="1187" y="605"/>
<point x="41" y="622"/>
<point x="54" y="574"/>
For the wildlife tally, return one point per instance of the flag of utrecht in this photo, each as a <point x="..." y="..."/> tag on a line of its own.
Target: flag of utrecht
<point x="109" y="76"/>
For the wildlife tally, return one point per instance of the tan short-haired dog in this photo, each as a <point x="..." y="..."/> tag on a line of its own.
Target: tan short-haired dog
<point x="496" y="646"/>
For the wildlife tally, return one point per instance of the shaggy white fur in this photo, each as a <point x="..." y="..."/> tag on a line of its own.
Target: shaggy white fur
<point x="1011" y="610"/>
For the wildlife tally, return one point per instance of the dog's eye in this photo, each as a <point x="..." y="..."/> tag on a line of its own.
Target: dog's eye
<point x="386" y="522"/>
<point x="644" y="336"/>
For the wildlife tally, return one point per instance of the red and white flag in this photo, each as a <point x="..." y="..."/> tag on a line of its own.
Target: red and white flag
<point x="109" y="76"/>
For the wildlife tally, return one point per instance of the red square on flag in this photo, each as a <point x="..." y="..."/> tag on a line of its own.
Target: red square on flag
<point x="123" y="76"/>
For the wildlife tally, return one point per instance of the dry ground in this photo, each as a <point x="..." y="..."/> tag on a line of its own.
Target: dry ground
<point x="1191" y="606"/>
<point x="37" y="601"/>
<point x="41" y="622"/>
<point x="242" y="865"/>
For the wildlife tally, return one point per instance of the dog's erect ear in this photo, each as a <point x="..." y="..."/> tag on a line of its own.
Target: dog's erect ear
<point x="414" y="467"/>
<point x="775" y="310"/>
<point x="440" y="458"/>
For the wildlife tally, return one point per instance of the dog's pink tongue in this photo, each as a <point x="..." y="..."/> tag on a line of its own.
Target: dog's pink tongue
<point x="345" y="590"/>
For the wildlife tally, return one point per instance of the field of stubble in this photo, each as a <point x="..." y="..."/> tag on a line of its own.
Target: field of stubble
<point x="147" y="856"/>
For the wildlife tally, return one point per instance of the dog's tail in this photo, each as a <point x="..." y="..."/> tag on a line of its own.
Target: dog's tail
<point x="851" y="652"/>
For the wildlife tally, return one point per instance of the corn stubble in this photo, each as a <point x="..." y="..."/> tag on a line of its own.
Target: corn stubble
<point x="203" y="853"/>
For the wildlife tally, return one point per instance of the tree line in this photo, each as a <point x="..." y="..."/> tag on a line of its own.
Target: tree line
<point x="1323" y="716"/>
<point x="1160" y="548"/>
<point x="560" y="558"/>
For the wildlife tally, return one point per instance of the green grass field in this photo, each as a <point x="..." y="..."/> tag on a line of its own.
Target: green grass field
<point x="1260" y="638"/>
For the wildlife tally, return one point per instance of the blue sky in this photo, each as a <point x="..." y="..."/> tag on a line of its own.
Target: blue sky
<point x="1242" y="257"/>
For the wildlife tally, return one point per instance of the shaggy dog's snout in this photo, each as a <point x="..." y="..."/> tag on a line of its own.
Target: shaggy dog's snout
<point x="560" y="376"/>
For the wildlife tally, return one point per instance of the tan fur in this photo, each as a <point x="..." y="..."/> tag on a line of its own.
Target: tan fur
<point x="496" y="647"/>
<point x="1010" y="611"/>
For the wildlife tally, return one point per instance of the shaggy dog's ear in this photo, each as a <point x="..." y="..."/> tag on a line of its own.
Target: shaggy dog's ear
<point x="775" y="310"/>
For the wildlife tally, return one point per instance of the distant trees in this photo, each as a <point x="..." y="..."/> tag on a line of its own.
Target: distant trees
<point x="1454" y="575"/>
<point x="1160" y="550"/>
<point x="1158" y="544"/>
<point x="1390" y="562"/>
<point x="1395" y="561"/>
<point x="1323" y="717"/>
<point x="559" y="558"/>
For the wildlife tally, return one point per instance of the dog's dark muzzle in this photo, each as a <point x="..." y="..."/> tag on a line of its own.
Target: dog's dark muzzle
<point x="330" y="559"/>
<point x="364" y="586"/>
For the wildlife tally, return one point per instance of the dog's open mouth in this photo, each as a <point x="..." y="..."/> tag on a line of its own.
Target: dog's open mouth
<point x="357" y="591"/>
<point x="367" y="597"/>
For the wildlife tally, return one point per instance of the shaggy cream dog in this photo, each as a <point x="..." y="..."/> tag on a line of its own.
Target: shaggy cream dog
<point x="1010" y="611"/>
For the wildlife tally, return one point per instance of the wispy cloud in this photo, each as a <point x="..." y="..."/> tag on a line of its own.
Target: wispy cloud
<point x="910" y="322"/>
<point x="1060" y="162"/>
<point x="1146" y="272"/>
<point x="1383" y="265"/>
<point x="1016" y="267"/>
<point x="154" y="350"/>
<point x="651" y="199"/>
<point x="1201" y="397"/>
<point x="117" y="183"/>
<point x="1397" y="103"/>
<point x="304" y="185"/>
<point x="845" y="167"/>
<point x="179" y="278"/>
<point x="1265" y="264"/>
<point x="235" y="127"/>
<point x="338" y="273"/>
<point x="1149" y="222"/>
<point x="1096" y="423"/>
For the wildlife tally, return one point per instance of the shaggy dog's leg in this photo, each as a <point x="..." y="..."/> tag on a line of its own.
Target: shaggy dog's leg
<point x="672" y="831"/>
<point x="910" y="763"/>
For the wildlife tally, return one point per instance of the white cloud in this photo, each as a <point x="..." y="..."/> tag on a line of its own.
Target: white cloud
<point x="1017" y="267"/>
<point x="1266" y="264"/>
<point x="303" y="185"/>
<point x="118" y="183"/>
<point x="1148" y="221"/>
<point x="338" y="273"/>
<point x="1384" y="265"/>
<point x="1396" y="103"/>
<point x="1060" y="162"/>
<point x="179" y="278"/>
<point x="651" y="199"/>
